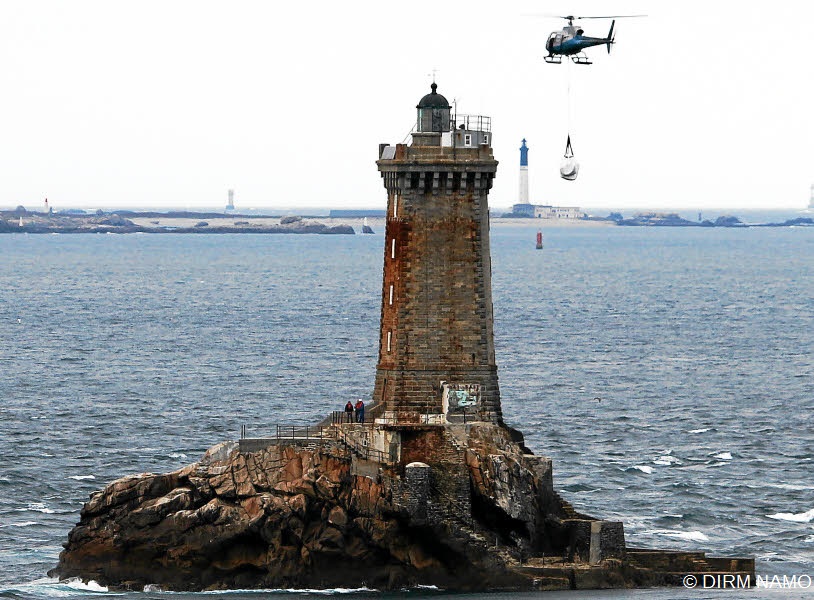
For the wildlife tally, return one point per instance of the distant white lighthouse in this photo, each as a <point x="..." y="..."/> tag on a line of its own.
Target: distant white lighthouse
<point x="524" y="174"/>
<point x="231" y="202"/>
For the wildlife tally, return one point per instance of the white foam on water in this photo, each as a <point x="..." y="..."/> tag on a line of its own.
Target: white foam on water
<point x="666" y="460"/>
<point x="331" y="591"/>
<point x="724" y="456"/>
<point x="770" y="556"/>
<point x="50" y="587"/>
<point x="793" y="487"/>
<point x="90" y="586"/>
<point x="805" y="517"/>
<point x="37" y="507"/>
<point x="324" y="592"/>
<point x="700" y="430"/>
<point x="81" y="477"/>
<point x="644" y="468"/>
<point x="693" y="536"/>
<point x="425" y="587"/>
<point x="19" y="524"/>
<point x="5" y="480"/>
<point x="177" y="455"/>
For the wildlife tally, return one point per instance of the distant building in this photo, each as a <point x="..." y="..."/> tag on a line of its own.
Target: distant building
<point x="537" y="211"/>
<point x="523" y="210"/>
<point x="545" y="211"/>
<point x="558" y="212"/>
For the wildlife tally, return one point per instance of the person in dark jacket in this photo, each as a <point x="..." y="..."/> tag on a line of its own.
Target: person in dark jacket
<point x="349" y="412"/>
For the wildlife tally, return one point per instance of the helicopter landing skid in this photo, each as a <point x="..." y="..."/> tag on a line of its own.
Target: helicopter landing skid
<point x="581" y="60"/>
<point x="553" y="59"/>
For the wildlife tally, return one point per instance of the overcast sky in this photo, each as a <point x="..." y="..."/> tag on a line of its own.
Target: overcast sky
<point x="171" y="103"/>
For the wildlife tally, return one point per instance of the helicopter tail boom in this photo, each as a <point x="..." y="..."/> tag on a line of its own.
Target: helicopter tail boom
<point x="610" y="35"/>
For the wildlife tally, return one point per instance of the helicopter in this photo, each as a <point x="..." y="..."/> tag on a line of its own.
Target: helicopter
<point x="572" y="42"/>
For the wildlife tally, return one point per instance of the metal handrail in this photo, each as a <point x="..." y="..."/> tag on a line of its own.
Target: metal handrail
<point x="471" y="122"/>
<point x="306" y="432"/>
<point x="363" y="451"/>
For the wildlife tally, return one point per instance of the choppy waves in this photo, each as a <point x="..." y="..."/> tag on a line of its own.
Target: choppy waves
<point x="665" y="372"/>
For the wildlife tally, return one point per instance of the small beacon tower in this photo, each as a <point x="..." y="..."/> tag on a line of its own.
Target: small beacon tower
<point x="524" y="174"/>
<point x="436" y="349"/>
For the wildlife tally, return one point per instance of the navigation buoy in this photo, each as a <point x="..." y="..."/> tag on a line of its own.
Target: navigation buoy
<point x="539" y="240"/>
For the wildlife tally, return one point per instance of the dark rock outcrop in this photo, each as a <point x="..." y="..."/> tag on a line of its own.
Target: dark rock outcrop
<point x="729" y="221"/>
<point x="297" y="517"/>
<point x="113" y="221"/>
<point x="461" y="507"/>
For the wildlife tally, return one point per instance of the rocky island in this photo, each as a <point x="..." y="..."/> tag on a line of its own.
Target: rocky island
<point x="656" y="219"/>
<point x="22" y="221"/>
<point x="428" y="487"/>
<point x="296" y="513"/>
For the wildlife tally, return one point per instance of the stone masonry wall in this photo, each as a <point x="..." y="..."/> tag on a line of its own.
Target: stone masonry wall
<point x="436" y="319"/>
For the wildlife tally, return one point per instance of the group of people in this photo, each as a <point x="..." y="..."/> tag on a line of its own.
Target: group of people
<point x="359" y="409"/>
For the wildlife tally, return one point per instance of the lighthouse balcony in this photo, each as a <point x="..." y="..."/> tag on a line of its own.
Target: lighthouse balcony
<point x="468" y="131"/>
<point x="471" y="123"/>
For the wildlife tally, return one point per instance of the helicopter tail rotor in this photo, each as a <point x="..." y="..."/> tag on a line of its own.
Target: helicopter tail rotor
<point x="610" y="35"/>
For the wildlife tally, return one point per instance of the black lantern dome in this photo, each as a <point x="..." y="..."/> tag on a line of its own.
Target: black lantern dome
<point x="433" y="99"/>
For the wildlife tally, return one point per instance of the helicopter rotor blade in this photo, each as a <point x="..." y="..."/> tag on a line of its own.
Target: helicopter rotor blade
<point x="609" y="17"/>
<point x="574" y="18"/>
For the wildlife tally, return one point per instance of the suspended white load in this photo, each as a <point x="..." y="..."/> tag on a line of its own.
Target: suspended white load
<point x="569" y="167"/>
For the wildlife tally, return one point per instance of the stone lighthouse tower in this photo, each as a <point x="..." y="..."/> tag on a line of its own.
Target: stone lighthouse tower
<point x="436" y="350"/>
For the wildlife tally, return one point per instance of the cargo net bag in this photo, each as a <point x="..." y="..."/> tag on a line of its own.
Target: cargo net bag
<point x="569" y="167"/>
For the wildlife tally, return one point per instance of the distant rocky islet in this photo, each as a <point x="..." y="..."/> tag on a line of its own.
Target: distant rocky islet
<point x="22" y="221"/>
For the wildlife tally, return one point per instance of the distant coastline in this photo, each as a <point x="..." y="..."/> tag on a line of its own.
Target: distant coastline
<point x="654" y="219"/>
<point x="658" y="219"/>
<point x="192" y="222"/>
<point x="155" y="222"/>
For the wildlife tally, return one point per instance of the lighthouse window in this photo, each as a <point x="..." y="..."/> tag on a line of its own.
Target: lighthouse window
<point x="467" y="139"/>
<point x="389" y="338"/>
<point x="485" y="138"/>
<point x="391" y="294"/>
<point x="395" y="205"/>
<point x="393" y="249"/>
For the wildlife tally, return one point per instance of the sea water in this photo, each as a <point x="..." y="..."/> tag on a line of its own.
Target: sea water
<point x="668" y="373"/>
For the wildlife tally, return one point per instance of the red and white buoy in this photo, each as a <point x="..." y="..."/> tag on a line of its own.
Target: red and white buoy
<point x="539" y="240"/>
